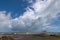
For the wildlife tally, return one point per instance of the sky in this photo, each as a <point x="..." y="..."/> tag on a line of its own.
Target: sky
<point x="29" y="15"/>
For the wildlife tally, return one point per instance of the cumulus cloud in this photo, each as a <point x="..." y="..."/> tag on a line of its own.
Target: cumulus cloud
<point x="38" y="17"/>
<point x="5" y="22"/>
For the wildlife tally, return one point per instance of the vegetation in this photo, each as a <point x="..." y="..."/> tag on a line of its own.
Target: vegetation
<point x="6" y="38"/>
<point x="41" y="36"/>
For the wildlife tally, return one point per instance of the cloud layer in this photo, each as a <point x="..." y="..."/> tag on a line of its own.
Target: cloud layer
<point x="38" y="17"/>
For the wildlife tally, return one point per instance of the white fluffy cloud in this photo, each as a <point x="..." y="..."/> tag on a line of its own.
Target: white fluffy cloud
<point x="5" y="22"/>
<point x="34" y="20"/>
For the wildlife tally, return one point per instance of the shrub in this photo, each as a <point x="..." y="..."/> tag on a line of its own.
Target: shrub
<point x="6" y="38"/>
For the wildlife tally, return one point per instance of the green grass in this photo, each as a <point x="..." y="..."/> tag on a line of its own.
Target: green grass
<point x="32" y="37"/>
<point x="46" y="37"/>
